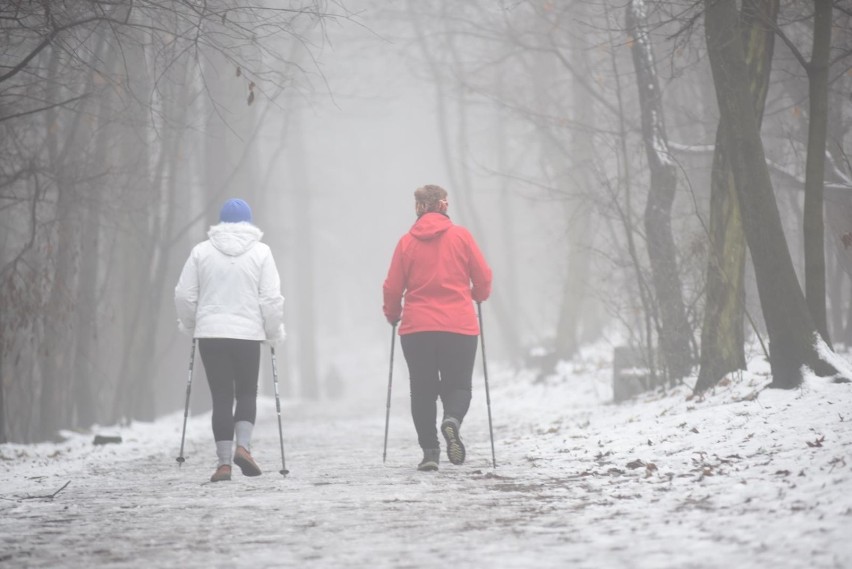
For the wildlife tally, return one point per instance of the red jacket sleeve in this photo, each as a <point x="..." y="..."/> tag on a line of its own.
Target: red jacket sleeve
<point x="480" y="273"/>
<point x="394" y="287"/>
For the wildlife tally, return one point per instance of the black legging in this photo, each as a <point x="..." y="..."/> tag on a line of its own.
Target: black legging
<point x="439" y="364"/>
<point x="232" y="367"/>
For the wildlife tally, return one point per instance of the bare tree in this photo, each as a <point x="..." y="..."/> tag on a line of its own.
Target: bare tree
<point x="675" y="330"/>
<point x="453" y="129"/>
<point x="794" y="340"/>
<point x="814" y="229"/>
<point x="722" y="333"/>
<point x="70" y="196"/>
<point x="301" y="193"/>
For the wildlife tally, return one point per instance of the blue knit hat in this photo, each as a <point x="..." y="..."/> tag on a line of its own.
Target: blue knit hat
<point x="234" y="211"/>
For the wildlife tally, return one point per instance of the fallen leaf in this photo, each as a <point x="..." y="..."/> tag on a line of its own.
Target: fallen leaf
<point x="816" y="443"/>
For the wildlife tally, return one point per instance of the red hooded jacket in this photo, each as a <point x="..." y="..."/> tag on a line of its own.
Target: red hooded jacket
<point x="439" y="269"/>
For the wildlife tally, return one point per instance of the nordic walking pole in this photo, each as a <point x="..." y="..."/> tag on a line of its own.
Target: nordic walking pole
<point x="180" y="459"/>
<point x="485" y="371"/>
<point x="390" y="383"/>
<point x="283" y="471"/>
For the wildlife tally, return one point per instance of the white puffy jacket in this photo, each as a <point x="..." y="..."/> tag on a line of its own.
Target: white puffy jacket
<point x="230" y="288"/>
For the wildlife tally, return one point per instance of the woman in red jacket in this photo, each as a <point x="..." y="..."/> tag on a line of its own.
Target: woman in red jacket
<point x="438" y="271"/>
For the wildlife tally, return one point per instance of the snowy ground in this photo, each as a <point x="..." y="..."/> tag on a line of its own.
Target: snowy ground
<point x="744" y="477"/>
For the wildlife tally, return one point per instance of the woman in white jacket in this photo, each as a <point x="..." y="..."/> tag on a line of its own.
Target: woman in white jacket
<point x="229" y="298"/>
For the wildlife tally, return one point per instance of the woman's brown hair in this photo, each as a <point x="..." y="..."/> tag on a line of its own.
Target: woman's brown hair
<point x="429" y="198"/>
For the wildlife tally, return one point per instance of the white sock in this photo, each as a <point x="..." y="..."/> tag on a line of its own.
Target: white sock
<point x="243" y="432"/>
<point x="224" y="450"/>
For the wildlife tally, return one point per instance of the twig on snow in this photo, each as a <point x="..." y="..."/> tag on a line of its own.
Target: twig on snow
<point x="47" y="496"/>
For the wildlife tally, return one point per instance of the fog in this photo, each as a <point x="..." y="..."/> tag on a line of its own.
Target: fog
<point x="365" y="135"/>
<point x="125" y="134"/>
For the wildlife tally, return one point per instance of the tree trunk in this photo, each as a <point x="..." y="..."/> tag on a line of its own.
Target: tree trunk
<point x="625" y="215"/>
<point x="567" y="168"/>
<point x="55" y="394"/>
<point x="130" y="264"/>
<point x="508" y="212"/>
<point x="578" y="213"/>
<point x="163" y="219"/>
<point x="838" y="220"/>
<point x="300" y="189"/>
<point x="63" y="151"/>
<point x="836" y="279"/>
<point x="3" y="436"/>
<point x="722" y="336"/>
<point x="85" y="336"/>
<point x="505" y="321"/>
<point x="814" y="226"/>
<point x="85" y="392"/>
<point x="847" y="331"/>
<point x="150" y="259"/>
<point x="675" y="332"/>
<point x="455" y="162"/>
<point x="792" y="335"/>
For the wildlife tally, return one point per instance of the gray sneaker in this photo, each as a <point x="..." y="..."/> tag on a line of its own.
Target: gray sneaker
<point x="455" y="446"/>
<point x="431" y="457"/>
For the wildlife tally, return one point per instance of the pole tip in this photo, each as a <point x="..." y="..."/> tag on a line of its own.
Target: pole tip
<point x="283" y="472"/>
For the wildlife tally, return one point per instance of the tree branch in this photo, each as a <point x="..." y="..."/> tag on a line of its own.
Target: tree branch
<point x="41" y="109"/>
<point x="780" y="33"/>
<point x="46" y="42"/>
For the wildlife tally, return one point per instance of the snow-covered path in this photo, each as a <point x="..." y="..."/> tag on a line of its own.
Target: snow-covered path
<point x="660" y="482"/>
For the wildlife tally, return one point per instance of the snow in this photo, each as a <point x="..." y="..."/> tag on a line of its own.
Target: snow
<point x="844" y="369"/>
<point x="745" y="475"/>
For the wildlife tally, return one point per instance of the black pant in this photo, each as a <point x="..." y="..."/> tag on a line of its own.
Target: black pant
<point x="439" y="364"/>
<point x="232" y="367"/>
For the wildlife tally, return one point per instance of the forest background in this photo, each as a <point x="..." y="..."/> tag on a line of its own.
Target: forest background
<point x="672" y="176"/>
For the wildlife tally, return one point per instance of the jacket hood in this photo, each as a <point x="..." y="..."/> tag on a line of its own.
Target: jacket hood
<point x="234" y="239"/>
<point x="430" y="225"/>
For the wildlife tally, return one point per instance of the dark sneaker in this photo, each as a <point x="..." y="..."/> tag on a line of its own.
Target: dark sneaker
<point x="431" y="456"/>
<point x="222" y="473"/>
<point x="455" y="446"/>
<point x="243" y="459"/>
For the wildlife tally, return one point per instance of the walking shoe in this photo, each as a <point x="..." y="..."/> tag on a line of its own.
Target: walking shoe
<point x="431" y="457"/>
<point x="222" y="473"/>
<point x="243" y="459"/>
<point x="455" y="446"/>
